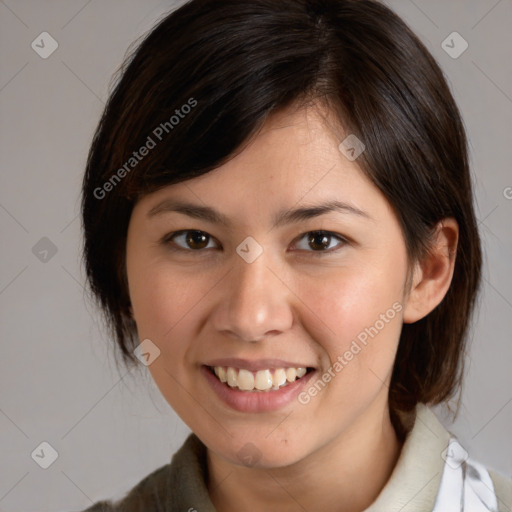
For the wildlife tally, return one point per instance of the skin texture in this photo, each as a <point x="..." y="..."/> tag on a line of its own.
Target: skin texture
<point x="296" y="302"/>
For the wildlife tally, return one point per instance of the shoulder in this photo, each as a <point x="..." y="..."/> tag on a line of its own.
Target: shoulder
<point x="435" y="473"/>
<point x="148" y="494"/>
<point x="174" y="486"/>
<point x="478" y="483"/>
<point x="503" y="489"/>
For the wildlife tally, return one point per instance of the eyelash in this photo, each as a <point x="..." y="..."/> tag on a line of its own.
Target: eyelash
<point x="168" y="240"/>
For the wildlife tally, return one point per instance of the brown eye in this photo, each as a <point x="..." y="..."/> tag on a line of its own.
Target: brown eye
<point x="196" y="239"/>
<point x="321" y="241"/>
<point x="189" y="240"/>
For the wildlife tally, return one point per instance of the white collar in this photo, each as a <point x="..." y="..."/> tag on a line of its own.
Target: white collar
<point x="421" y="481"/>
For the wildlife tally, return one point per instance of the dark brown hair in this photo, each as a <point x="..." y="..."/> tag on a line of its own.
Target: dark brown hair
<point x="237" y="62"/>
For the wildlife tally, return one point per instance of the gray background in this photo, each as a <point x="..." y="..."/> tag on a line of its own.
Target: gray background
<point x="58" y="379"/>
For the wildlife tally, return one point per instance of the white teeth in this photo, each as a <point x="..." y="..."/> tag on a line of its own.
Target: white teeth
<point x="279" y="378"/>
<point x="231" y="377"/>
<point x="245" y="380"/>
<point x="301" y="372"/>
<point x="262" y="380"/>
<point x="221" y="373"/>
<point x="291" y="374"/>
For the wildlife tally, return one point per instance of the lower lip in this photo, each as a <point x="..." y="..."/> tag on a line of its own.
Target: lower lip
<point x="256" y="401"/>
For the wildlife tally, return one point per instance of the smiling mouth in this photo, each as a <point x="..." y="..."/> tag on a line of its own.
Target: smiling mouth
<point x="262" y="380"/>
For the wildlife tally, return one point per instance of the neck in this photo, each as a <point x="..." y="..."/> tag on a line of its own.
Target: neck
<point x="347" y="474"/>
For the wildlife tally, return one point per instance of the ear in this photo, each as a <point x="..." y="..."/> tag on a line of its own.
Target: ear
<point x="432" y="276"/>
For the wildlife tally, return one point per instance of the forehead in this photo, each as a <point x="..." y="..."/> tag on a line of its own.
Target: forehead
<point x="294" y="159"/>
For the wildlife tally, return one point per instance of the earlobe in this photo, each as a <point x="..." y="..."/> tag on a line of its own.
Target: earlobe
<point x="432" y="276"/>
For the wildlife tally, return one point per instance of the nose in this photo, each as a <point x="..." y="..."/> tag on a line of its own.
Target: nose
<point x="254" y="301"/>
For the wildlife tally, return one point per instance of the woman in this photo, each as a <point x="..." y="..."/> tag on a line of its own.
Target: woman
<point x="278" y="223"/>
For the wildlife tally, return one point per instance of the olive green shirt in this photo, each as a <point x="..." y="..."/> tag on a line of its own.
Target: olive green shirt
<point x="413" y="486"/>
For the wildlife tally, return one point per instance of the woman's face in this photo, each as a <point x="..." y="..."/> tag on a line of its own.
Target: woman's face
<point x="257" y="275"/>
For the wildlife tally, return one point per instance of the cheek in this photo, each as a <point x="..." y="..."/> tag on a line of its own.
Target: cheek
<point x="162" y="298"/>
<point x="351" y="300"/>
<point x="166" y="306"/>
<point x="357" y="318"/>
<point x="157" y="299"/>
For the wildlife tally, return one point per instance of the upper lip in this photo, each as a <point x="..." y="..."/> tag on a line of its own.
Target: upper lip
<point x="256" y="364"/>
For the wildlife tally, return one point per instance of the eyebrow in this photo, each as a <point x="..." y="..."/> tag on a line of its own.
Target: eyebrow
<point x="282" y="218"/>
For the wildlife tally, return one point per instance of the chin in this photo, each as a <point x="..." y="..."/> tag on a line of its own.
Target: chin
<point x="263" y="453"/>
